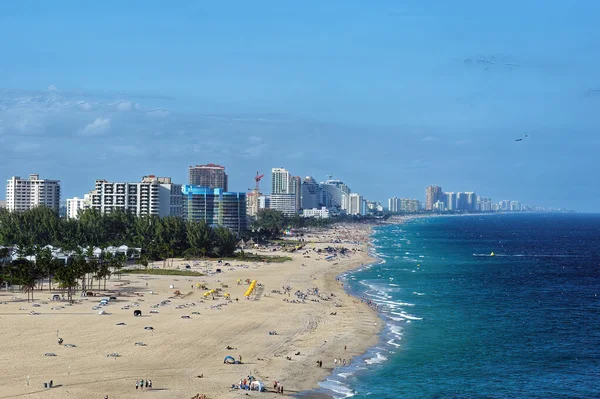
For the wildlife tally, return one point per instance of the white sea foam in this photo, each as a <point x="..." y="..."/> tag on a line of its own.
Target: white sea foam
<point x="397" y="331"/>
<point x="394" y="285"/>
<point x="407" y="316"/>
<point x="393" y="343"/>
<point x="339" y="389"/>
<point x="378" y="358"/>
<point x="418" y="293"/>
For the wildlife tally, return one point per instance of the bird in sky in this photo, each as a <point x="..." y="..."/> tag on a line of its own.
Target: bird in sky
<point x="521" y="138"/>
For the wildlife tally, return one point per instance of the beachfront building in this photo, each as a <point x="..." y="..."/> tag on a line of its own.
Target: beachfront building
<point x="152" y="196"/>
<point x="318" y="213"/>
<point x="310" y="196"/>
<point x="394" y="205"/>
<point x="74" y="205"/>
<point x="25" y="194"/>
<point x="215" y="206"/>
<point x="285" y="203"/>
<point x="450" y="201"/>
<point x="209" y="175"/>
<point x="353" y="204"/>
<point x="408" y="205"/>
<point x="2" y="203"/>
<point x="484" y="204"/>
<point x="515" y="206"/>
<point x="433" y="194"/>
<point x="333" y="190"/>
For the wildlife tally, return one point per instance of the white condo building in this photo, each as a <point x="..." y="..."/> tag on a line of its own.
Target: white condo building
<point x="152" y="196"/>
<point x="285" y="203"/>
<point x="74" y="205"/>
<point x="281" y="181"/>
<point x="353" y="204"/>
<point x="22" y="194"/>
<point x="319" y="213"/>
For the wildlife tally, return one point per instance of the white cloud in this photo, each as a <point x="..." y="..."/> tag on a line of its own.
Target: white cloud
<point x="99" y="126"/>
<point x="159" y="113"/>
<point x="52" y="88"/>
<point x="124" y="106"/>
<point x="84" y="106"/>
<point x="255" y="151"/>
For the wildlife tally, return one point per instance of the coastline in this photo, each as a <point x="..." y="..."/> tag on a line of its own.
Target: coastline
<point x="178" y="351"/>
<point x="325" y="393"/>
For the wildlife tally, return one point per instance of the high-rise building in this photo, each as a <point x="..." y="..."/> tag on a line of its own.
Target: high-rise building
<point x="310" y="193"/>
<point x="409" y="205"/>
<point x="285" y="203"/>
<point x="209" y="175"/>
<point x="296" y="189"/>
<point x="215" y="206"/>
<point x="450" y="201"/>
<point x="280" y="181"/>
<point x="74" y="205"/>
<point x="515" y="206"/>
<point x="333" y="190"/>
<point x="354" y="204"/>
<point x="462" y="203"/>
<point x="394" y="205"/>
<point x="471" y="201"/>
<point x="484" y="204"/>
<point x="24" y="194"/>
<point x="433" y="194"/>
<point x="152" y="196"/>
<point x="504" y="205"/>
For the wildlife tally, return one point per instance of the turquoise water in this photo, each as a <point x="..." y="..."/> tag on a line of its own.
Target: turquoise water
<point x="463" y="324"/>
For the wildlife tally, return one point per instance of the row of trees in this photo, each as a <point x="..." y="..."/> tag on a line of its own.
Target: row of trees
<point x="159" y="238"/>
<point x="78" y="272"/>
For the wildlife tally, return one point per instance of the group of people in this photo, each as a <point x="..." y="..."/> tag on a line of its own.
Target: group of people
<point x="341" y="362"/>
<point x="141" y="383"/>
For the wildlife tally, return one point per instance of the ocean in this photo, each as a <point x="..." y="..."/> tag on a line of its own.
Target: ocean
<point x="460" y="323"/>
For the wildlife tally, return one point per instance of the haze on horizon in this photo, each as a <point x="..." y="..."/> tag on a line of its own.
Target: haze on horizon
<point x="389" y="96"/>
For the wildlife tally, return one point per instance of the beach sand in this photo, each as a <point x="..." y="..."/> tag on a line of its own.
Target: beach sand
<point x="178" y="350"/>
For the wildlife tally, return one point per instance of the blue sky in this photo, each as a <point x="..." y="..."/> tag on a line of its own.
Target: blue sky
<point x="389" y="96"/>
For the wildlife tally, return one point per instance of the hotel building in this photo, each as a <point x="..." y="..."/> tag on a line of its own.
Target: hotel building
<point x="25" y="194"/>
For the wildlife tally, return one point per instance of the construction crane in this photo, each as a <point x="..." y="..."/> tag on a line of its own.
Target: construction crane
<point x="257" y="179"/>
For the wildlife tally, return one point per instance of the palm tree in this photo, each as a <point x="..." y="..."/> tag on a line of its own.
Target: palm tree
<point x="43" y="259"/>
<point x="67" y="277"/>
<point x="26" y="273"/>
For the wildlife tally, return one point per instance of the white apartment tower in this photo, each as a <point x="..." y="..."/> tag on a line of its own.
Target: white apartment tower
<point x="152" y="196"/>
<point x="74" y="205"/>
<point x="281" y="181"/>
<point x="353" y="204"/>
<point x="22" y="194"/>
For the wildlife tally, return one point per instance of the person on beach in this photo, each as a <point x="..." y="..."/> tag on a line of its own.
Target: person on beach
<point x="141" y="384"/>
<point x="137" y="384"/>
<point x="150" y="384"/>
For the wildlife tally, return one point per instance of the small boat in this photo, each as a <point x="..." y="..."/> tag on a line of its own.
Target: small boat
<point x="492" y="254"/>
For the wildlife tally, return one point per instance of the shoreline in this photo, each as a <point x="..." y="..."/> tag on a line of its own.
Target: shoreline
<point x="324" y="393"/>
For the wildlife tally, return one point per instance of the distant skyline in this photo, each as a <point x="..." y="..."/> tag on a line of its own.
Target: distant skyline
<point x="388" y="96"/>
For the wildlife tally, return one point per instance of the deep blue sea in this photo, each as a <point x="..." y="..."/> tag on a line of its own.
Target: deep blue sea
<point x="460" y="323"/>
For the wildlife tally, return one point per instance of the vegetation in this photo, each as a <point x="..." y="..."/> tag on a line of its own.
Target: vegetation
<point x="163" y="272"/>
<point x="159" y="239"/>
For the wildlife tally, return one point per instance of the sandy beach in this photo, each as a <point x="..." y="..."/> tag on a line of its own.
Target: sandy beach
<point x="190" y="332"/>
